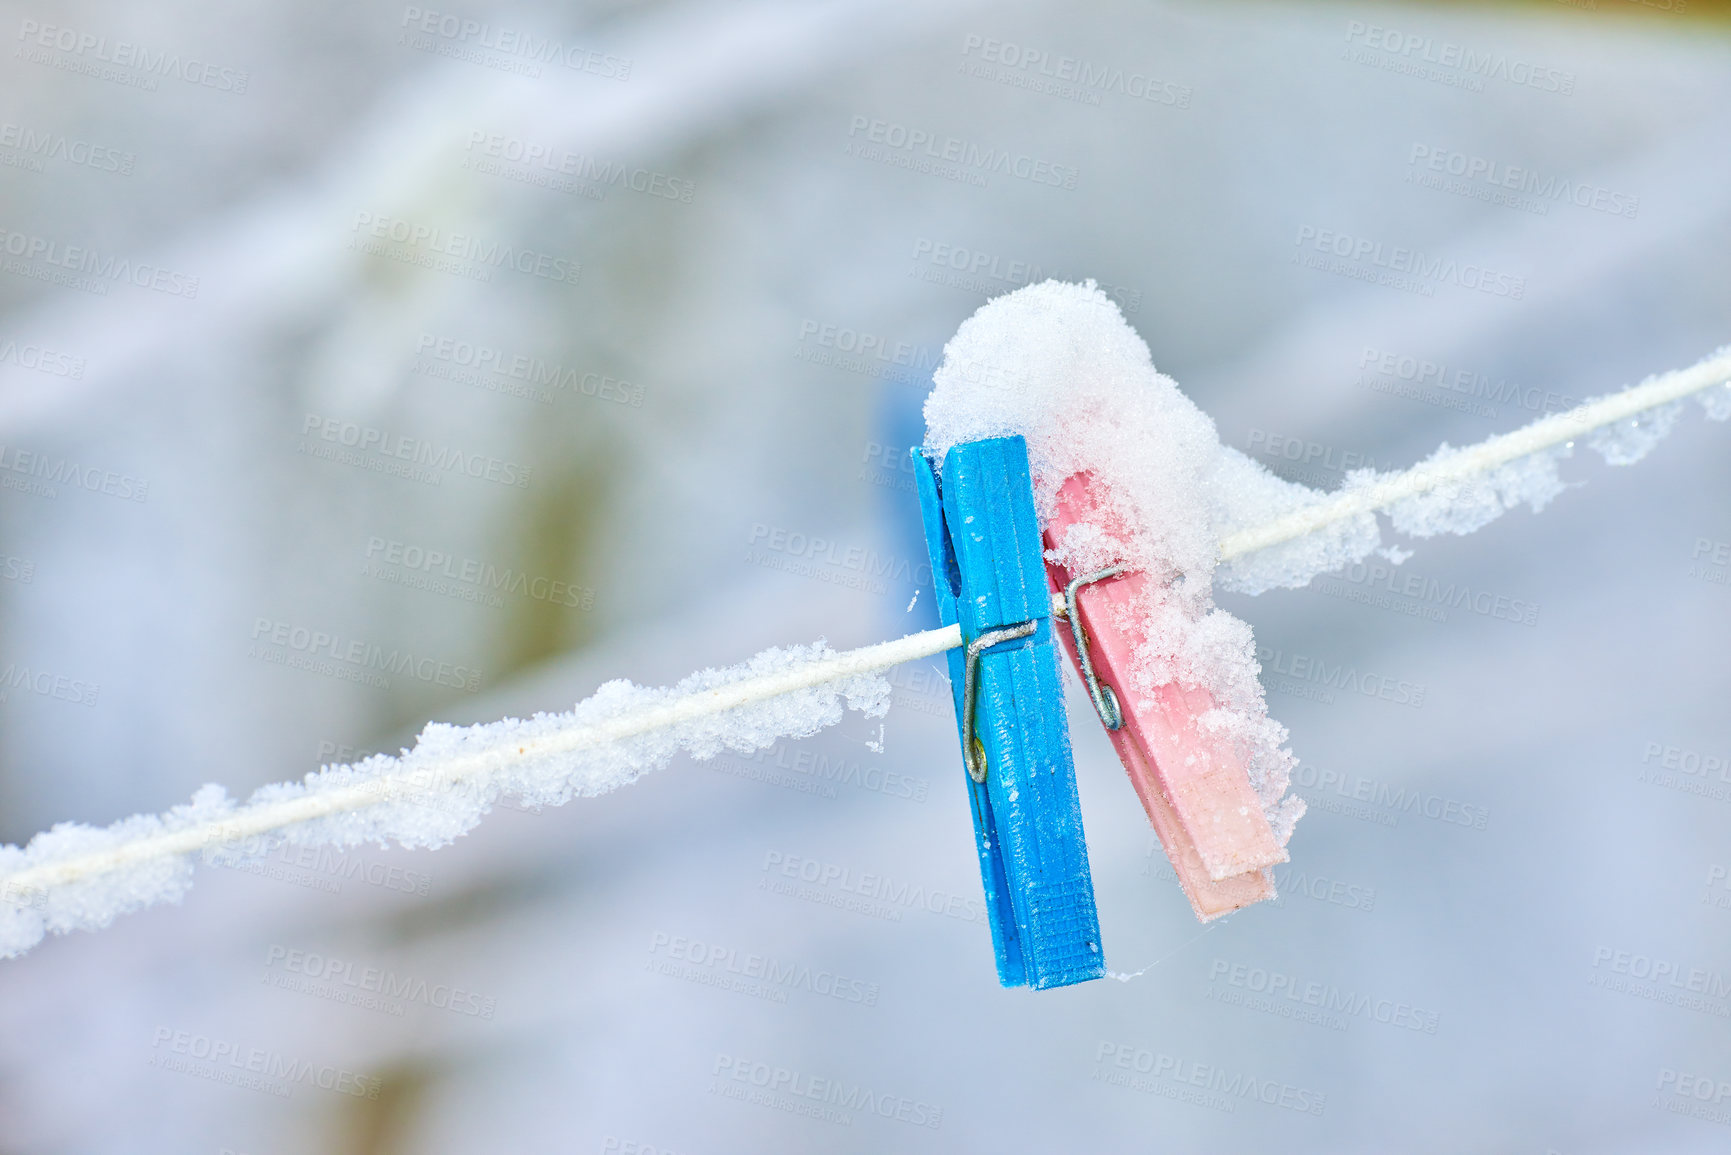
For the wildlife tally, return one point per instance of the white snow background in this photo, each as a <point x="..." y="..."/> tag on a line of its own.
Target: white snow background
<point x="588" y="1018"/>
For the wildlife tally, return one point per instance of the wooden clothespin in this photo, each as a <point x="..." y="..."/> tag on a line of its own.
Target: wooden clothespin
<point x="984" y="541"/>
<point x="1193" y="783"/>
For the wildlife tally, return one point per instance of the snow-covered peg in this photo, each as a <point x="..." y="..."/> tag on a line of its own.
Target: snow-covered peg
<point x="984" y="541"/>
<point x="1192" y="779"/>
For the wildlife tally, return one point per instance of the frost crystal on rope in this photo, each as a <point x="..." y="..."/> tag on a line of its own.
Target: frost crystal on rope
<point x="1717" y="402"/>
<point x="1632" y="438"/>
<point x="1288" y="536"/>
<point x="1474" y="502"/>
<point x="77" y="877"/>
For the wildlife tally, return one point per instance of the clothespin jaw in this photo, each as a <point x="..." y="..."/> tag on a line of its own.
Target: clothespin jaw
<point x="1192" y="781"/>
<point x="984" y="541"/>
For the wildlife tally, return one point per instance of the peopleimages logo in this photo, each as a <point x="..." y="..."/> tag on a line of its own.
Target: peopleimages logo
<point x="37" y="146"/>
<point x="1697" y="1096"/>
<point x="41" y="359"/>
<point x="852" y="558"/>
<point x="779" y="975"/>
<point x="460" y="253"/>
<point x="1336" y="892"/>
<point x="1399" y="267"/>
<point x="988" y="274"/>
<point x="887" y="896"/>
<point x="88" y="52"/>
<point x="1068" y="77"/>
<point x="45" y="472"/>
<point x="496" y="150"/>
<point x="1173" y="1076"/>
<point x="1277" y="446"/>
<point x="1409" y="592"/>
<point x="47" y="684"/>
<point x="952" y="157"/>
<point x="1424" y="372"/>
<point x="315" y="867"/>
<point x="375" y="448"/>
<point x="342" y="981"/>
<point x="1718" y="879"/>
<point x="469" y="40"/>
<point x="1326" y="997"/>
<point x="1707" y="775"/>
<point x="357" y="661"/>
<point x="477" y="581"/>
<point x="1709" y="561"/>
<point x="815" y="767"/>
<point x="1498" y="183"/>
<point x="34" y="897"/>
<point x="873" y="354"/>
<point x="891" y="466"/>
<point x="256" y="1068"/>
<point x="800" y="1094"/>
<point x="1395" y="800"/>
<point x="1447" y="62"/>
<point x="1661" y="980"/>
<point x="1310" y="671"/>
<point x="537" y="375"/>
<point x="83" y="268"/>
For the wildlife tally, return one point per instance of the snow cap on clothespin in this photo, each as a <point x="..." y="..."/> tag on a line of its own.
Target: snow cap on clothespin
<point x="984" y="541"/>
<point x="1192" y="781"/>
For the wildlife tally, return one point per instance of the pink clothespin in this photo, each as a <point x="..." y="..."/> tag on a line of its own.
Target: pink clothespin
<point x="1193" y="784"/>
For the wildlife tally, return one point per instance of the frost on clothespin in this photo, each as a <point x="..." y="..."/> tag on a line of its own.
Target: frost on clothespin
<point x="1146" y="508"/>
<point x="1210" y="807"/>
<point x="1058" y="364"/>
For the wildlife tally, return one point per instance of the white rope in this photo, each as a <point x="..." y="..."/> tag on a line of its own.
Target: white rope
<point x="275" y="816"/>
<point x="1483" y="457"/>
<point x="267" y="817"/>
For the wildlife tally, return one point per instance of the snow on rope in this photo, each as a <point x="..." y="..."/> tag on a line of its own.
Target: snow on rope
<point x="1623" y="427"/>
<point x="78" y="877"/>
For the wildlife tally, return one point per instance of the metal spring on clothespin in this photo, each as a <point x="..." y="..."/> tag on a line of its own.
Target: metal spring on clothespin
<point x="1105" y="701"/>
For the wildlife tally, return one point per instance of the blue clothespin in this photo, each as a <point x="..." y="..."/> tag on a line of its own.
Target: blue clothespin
<point x="984" y="542"/>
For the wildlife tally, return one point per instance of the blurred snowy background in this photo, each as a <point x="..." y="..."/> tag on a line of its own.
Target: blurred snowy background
<point x="664" y="304"/>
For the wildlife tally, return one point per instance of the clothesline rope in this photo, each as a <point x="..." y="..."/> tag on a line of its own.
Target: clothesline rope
<point x="1546" y="432"/>
<point x="23" y="887"/>
<point x="265" y="819"/>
